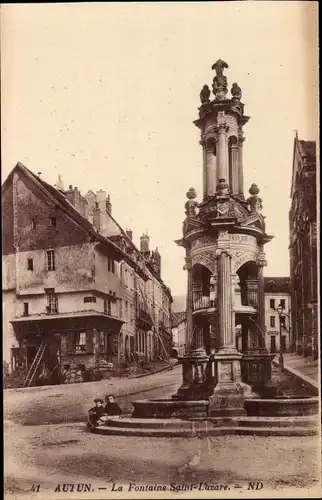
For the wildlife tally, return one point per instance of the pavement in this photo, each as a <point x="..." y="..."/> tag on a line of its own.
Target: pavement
<point x="305" y="369"/>
<point x="55" y="404"/>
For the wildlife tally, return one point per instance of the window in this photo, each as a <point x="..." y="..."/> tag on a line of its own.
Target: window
<point x="80" y="342"/>
<point x="89" y="299"/>
<point x="272" y="321"/>
<point x="113" y="266"/>
<point x="282" y="303"/>
<point x="51" y="260"/>
<point x="33" y="224"/>
<point x="272" y="303"/>
<point x="26" y="309"/>
<point x="53" y="221"/>
<point x="30" y="264"/>
<point x="52" y="303"/>
<point x="107" y="306"/>
<point x="126" y="309"/>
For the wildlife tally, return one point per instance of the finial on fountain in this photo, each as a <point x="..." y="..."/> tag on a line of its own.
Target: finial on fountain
<point x="254" y="201"/>
<point x="191" y="205"/>
<point x="222" y="188"/>
<point x="236" y="91"/>
<point x="205" y="94"/>
<point x="220" y="86"/>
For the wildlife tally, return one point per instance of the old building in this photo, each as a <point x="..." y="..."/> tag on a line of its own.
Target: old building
<point x="303" y="249"/>
<point x="179" y="322"/>
<point x="277" y="295"/>
<point x="74" y="283"/>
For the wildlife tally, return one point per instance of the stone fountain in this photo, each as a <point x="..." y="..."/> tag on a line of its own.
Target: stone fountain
<point x="223" y="236"/>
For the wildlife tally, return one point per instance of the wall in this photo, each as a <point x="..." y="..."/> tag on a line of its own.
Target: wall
<point x="8" y="336"/>
<point x="105" y="280"/>
<point x="32" y="204"/>
<point x="7" y="220"/>
<point x="74" y="269"/>
<point x="127" y="294"/>
<point x="8" y="271"/>
<point x="67" y="303"/>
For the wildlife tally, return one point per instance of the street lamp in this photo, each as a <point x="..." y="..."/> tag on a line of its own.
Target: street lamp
<point x="280" y="311"/>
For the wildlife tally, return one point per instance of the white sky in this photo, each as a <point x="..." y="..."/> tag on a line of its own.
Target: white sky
<point x="105" y="94"/>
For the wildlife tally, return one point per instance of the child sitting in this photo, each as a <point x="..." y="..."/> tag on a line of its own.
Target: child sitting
<point x="111" y="407"/>
<point x="95" y="413"/>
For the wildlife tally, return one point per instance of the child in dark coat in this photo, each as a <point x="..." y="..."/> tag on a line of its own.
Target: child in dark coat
<point x="96" y="412"/>
<point x="111" y="407"/>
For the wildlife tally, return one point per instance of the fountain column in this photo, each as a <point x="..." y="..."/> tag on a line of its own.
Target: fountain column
<point x="234" y="169"/>
<point x="227" y="397"/>
<point x="240" y="167"/>
<point x="210" y="168"/>
<point x="222" y="153"/>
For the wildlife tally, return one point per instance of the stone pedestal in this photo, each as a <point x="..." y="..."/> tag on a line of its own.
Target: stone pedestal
<point x="228" y="395"/>
<point x="193" y="375"/>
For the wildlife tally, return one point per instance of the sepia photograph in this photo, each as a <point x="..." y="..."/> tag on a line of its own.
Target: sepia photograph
<point x="160" y="250"/>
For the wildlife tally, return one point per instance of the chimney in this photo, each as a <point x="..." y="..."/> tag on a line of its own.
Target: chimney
<point x="76" y="199"/>
<point x="60" y="184"/>
<point x="109" y="205"/>
<point x="101" y="199"/>
<point x="129" y="233"/>
<point x="144" y="243"/>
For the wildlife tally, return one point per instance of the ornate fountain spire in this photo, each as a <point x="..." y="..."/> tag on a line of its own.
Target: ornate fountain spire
<point x="220" y="85"/>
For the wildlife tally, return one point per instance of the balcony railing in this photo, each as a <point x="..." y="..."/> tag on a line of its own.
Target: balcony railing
<point x="200" y="300"/>
<point x="143" y="319"/>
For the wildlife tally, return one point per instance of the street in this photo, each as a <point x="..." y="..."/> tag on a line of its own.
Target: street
<point x="59" y="450"/>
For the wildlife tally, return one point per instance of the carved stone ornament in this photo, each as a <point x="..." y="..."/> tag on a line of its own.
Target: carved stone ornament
<point x="240" y="258"/>
<point x="220" y="86"/>
<point x="261" y="260"/>
<point x="254" y="201"/>
<point x="205" y="94"/>
<point x="207" y="259"/>
<point x="187" y="266"/>
<point x="236" y="91"/>
<point x="191" y="205"/>
<point x="222" y="128"/>
<point x="222" y="207"/>
<point x="222" y="188"/>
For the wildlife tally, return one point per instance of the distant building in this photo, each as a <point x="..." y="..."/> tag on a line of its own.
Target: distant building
<point x="277" y="293"/>
<point x="179" y="333"/>
<point x="76" y="290"/>
<point x="303" y="249"/>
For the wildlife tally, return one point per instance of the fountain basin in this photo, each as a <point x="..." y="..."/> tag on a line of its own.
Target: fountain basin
<point x="169" y="408"/>
<point x="274" y="407"/>
<point x="205" y="426"/>
<point x="281" y="406"/>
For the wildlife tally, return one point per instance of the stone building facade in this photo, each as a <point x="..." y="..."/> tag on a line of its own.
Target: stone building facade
<point x="303" y="249"/>
<point x="71" y="280"/>
<point x="277" y="293"/>
<point x="179" y="322"/>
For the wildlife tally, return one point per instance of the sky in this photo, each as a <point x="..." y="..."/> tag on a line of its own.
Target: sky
<point x="105" y="95"/>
